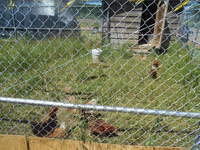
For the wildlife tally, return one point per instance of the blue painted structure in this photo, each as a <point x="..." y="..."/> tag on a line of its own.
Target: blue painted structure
<point x="93" y="2"/>
<point x="43" y="14"/>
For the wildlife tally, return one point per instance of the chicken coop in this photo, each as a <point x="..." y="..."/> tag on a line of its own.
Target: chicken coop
<point x="41" y="19"/>
<point x="126" y="21"/>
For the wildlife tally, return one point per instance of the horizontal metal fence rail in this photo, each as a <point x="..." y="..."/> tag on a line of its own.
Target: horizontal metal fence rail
<point x="42" y="29"/>
<point x="101" y="108"/>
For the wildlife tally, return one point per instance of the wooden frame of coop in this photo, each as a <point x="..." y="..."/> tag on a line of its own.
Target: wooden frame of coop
<point x="148" y="24"/>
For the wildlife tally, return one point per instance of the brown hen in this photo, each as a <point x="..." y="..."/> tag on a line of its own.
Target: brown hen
<point x="153" y="73"/>
<point x="155" y="64"/>
<point x="99" y="127"/>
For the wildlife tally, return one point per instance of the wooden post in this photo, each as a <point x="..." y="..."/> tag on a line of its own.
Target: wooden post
<point x="160" y="25"/>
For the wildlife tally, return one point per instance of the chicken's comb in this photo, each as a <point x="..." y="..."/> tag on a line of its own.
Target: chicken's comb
<point x="53" y="110"/>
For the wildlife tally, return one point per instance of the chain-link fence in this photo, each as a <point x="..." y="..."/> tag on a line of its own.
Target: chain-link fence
<point x="113" y="71"/>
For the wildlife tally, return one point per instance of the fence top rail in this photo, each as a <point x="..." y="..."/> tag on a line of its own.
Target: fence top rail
<point x="101" y="107"/>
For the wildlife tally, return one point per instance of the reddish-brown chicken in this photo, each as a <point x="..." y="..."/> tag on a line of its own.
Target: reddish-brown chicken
<point x="153" y="73"/>
<point x="57" y="133"/>
<point x="155" y="63"/>
<point x="61" y="132"/>
<point x="47" y="125"/>
<point x="154" y="69"/>
<point x="99" y="127"/>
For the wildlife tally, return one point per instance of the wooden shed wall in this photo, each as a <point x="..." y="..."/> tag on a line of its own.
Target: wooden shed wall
<point x="125" y="27"/>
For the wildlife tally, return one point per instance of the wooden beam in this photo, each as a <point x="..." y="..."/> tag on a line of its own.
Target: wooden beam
<point x="13" y="142"/>
<point x="159" y="25"/>
<point x="56" y="144"/>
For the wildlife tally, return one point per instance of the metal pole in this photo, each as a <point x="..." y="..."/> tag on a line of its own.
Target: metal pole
<point x="196" y="146"/>
<point x="101" y="107"/>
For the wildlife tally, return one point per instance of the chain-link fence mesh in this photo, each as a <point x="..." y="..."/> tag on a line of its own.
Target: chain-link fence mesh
<point x="135" y="54"/>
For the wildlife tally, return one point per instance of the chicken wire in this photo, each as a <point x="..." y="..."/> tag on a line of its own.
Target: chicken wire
<point x="104" y="56"/>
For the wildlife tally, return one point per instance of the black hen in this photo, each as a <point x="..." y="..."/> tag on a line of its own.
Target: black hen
<point x="47" y="125"/>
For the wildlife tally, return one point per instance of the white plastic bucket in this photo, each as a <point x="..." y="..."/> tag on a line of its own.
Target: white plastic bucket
<point x="96" y="55"/>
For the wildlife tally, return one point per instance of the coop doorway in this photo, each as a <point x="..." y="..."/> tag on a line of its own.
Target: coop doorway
<point x="148" y="18"/>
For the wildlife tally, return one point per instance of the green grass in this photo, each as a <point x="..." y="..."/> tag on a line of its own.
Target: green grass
<point x="45" y="69"/>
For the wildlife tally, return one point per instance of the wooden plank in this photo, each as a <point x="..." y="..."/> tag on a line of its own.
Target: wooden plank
<point x="36" y="143"/>
<point x="125" y="19"/>
<point x="142" y="49"/>
<point x="170" y="20"/>
<point x="173" y="21"/>
<point x="133" y="13"/>
<point x="123" y="41"/>
<point x="173" y="16"/>
<point x="11" y="142"/>
<point x="131" y="28"/>
<point x="125" y="25"/>
<point x="173" y="26"/>
<point x="56" y="144"/>
<point x="124" y="36"/>
<point x="124" y="30"/>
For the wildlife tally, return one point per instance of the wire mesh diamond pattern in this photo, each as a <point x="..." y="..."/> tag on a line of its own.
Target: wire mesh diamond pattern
<point x="118" y="53"/>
